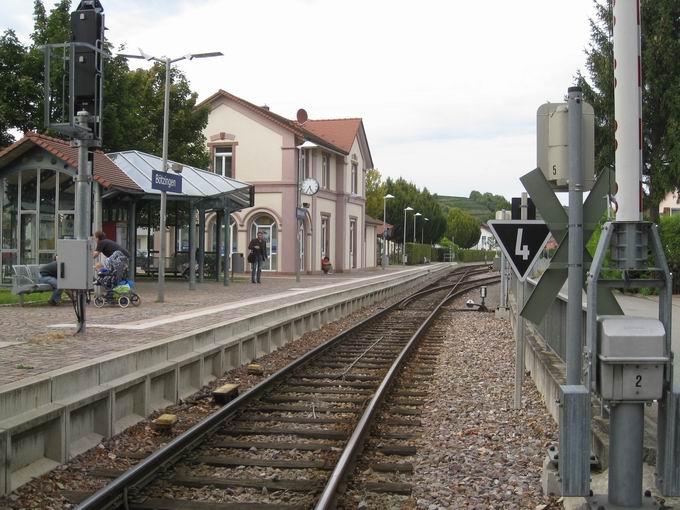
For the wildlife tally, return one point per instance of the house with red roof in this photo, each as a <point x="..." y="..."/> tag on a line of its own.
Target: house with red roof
<point x="309" y="178"/>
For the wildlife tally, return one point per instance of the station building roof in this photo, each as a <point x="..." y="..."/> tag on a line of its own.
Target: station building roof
<point x="129" y="172"/>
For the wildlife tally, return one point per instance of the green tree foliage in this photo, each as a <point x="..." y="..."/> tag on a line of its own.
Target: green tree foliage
<point x="462" y="228"/>
<point x="660" y="93"/>
<point x="405" y="194"/>
<point x="133" y="99"/>
<point x="375" y="193"/>
<point x="17" y="89"/>
<point x="492" y="202"/>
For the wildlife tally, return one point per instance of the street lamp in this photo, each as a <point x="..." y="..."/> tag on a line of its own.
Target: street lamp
<point x="414" y="225"/>
<point x="164" y="165"/>
<point x="422" y="230"/>
<point x="403" y="254"/>
<point x="384" y="255"/>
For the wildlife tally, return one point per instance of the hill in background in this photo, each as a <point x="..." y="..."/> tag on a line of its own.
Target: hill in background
<point x="481" y="206"/>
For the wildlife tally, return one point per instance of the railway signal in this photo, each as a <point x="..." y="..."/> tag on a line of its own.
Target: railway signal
<point x="521" y="242"/>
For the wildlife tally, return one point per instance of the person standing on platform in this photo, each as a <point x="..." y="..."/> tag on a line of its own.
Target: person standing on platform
<point x="116" y="256"/>
<point x="257" y="255"/>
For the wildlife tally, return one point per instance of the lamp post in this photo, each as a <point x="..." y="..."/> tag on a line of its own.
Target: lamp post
<point x="384" y="254"/>
<point x="403" y="254"/>
<point x="422" y="230"/>
<point x="164" y="164"/>
<point x="414" y="225"/>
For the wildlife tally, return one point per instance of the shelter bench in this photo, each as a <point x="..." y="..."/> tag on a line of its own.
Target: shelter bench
<point x="25" y="281"/>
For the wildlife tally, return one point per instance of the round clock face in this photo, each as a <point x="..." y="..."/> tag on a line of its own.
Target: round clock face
<point x="309" y="186"/>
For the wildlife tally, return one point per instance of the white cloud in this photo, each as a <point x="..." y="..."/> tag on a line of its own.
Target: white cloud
<point x="447" y="87"/>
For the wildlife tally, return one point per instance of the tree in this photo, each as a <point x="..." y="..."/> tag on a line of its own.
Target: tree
<point x="491" y="202"/>
<point x="133" y="100"/>
<point x="462" y="228"/>
<point x="406" y="194"/>
<point x="17" y="90"/>
<point x="375" y="193"/>
<point x="660" y="93"/>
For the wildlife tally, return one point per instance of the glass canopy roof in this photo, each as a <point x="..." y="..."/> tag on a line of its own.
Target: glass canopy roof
<point x="196" y="183"/>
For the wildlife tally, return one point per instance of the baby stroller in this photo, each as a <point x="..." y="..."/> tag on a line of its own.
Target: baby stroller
<point x="116" y="291"/>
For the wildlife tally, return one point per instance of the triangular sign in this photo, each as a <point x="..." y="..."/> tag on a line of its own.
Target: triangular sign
<point x="521" y="241"/>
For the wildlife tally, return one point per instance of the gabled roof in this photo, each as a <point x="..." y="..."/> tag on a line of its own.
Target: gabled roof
<point x="339" y="132"/>
<point x="105" y="171"/>
<point x="290" y="125"/>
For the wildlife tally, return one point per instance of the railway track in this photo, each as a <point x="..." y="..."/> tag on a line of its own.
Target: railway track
<point x="292" y="440"/>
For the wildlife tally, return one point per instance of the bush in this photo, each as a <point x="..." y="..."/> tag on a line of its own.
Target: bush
<point x="669" y="231"/>
<point x="417" y="253"/>
<point x="474" y="255"/>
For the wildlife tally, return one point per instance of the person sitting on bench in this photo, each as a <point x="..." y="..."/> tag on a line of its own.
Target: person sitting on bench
<point x="326" y="265"/>
<point x="48" y="274"/>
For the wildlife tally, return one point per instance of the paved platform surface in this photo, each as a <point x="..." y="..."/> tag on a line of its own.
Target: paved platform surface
<point x="35" y="339"/>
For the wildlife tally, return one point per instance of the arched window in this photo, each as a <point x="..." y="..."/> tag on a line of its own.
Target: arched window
<point x="266" y="224"/>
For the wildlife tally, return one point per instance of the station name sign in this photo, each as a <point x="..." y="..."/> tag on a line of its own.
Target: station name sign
<point x="165" y="181"/>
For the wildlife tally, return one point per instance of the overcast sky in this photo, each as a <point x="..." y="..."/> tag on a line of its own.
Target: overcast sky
<point x="447" y="89"/>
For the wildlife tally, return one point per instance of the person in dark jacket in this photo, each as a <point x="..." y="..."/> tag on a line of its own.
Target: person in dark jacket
<point x="116" y="256"/>
<point x="48" y="274"/>
<point x="258" y="254"/>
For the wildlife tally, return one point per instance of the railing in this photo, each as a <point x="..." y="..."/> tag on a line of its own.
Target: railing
<point x="553" y="327"/>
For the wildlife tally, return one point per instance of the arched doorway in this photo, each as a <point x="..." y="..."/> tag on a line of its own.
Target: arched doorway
<point x="266" y="224"/>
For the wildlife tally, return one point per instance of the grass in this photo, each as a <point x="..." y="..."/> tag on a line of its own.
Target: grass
<point x="7" y="298"/>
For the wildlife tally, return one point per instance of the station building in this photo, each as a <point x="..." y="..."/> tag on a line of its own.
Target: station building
<point x="250" y="143"/>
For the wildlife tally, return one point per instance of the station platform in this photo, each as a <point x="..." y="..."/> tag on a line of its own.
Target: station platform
<point x="41" y="336"/>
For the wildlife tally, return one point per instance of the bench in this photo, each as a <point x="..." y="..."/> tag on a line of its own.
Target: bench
<point x="25" y="281"/>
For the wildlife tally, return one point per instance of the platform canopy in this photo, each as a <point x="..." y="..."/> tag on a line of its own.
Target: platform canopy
<point x="206" y="188"/>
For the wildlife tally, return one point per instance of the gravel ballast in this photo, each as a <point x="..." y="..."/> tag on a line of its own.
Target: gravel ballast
<point x="476" y="451"/>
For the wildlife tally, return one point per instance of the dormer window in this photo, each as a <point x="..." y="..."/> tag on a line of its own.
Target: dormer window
<point x="223" y="161"/>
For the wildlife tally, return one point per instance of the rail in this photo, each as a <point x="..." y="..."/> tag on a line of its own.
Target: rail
<point x="115" y="494"/>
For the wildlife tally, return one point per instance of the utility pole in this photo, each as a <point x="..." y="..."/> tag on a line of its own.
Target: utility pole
<point x="403" y="253"/>
<point x="385" y="259"/>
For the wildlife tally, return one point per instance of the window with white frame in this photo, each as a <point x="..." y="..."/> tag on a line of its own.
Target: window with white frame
<point x="355" y="179"/>
<point x="325" y="237"/>
<point x="325" y="171"/>
<point x="304" y="165"/>
<point x="223" y="161"/>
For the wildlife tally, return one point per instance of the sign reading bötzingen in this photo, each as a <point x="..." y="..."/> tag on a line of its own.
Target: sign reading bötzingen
<point x="165" y="181"/>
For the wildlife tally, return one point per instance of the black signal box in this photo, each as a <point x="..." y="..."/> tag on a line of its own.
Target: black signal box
<point x="87" y="26"/>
